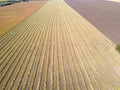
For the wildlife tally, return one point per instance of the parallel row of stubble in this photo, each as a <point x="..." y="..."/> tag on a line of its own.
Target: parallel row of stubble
<point x="57" y="49"/>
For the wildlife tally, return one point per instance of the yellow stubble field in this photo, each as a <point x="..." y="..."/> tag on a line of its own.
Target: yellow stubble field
<point x="57" y="49"/>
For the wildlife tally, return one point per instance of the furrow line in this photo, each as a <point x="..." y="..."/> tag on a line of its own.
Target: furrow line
<point x="85" y="70"/>
<point x="36" y="63"/>
<point x="13" y="44"/>
<point x="10" y="64"/>
<point x="26" y="76"/>
<point x="11" y="53"/>
<point x="39" y="59"/>
<point x="12" y="70"/>
<point x="25" y="64"/>
<point x="47" y="56"/>
<point x="65" y="59"/>
<point x="60" y="56"/>
<point x="70" y="58"/>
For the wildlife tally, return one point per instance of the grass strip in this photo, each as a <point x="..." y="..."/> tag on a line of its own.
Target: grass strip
<point x="118" y="48"/>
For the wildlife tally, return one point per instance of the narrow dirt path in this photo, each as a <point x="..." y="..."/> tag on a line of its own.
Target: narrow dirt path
<point x="57" y="49"/>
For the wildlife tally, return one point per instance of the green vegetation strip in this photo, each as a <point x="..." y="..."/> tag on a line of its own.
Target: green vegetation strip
<point x="4" y="3"/>
<point x="118" y="48"/>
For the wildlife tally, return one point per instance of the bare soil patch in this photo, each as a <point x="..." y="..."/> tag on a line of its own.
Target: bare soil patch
<point x="104" y="15"/>
<point x="12" y="15"/>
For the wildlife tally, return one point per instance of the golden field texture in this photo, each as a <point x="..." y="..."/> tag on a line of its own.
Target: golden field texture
<point x="57" y="49"/>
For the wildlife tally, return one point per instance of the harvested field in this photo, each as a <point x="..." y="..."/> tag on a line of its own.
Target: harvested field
<point x="57" y="49"/>
<point x="103" y="14"/>
<point x="12" y="15"/>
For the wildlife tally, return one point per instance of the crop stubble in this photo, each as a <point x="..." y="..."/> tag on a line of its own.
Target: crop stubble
<point x="58" y="49"/>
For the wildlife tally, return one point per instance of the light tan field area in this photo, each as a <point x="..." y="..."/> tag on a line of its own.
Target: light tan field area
<point x="2" y="0"/>
<point x="57" y="49"/>
<point x="12" y="15"/>
<point x="114" y="0"/>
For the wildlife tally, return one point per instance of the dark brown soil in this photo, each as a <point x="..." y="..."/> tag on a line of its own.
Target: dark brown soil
<point x="104" y="15"/>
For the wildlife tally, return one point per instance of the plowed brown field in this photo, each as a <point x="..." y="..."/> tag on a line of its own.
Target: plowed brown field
<point x="12" y="15"/>
<point x="103" y="14"/>
<point x="57" y="49"/>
